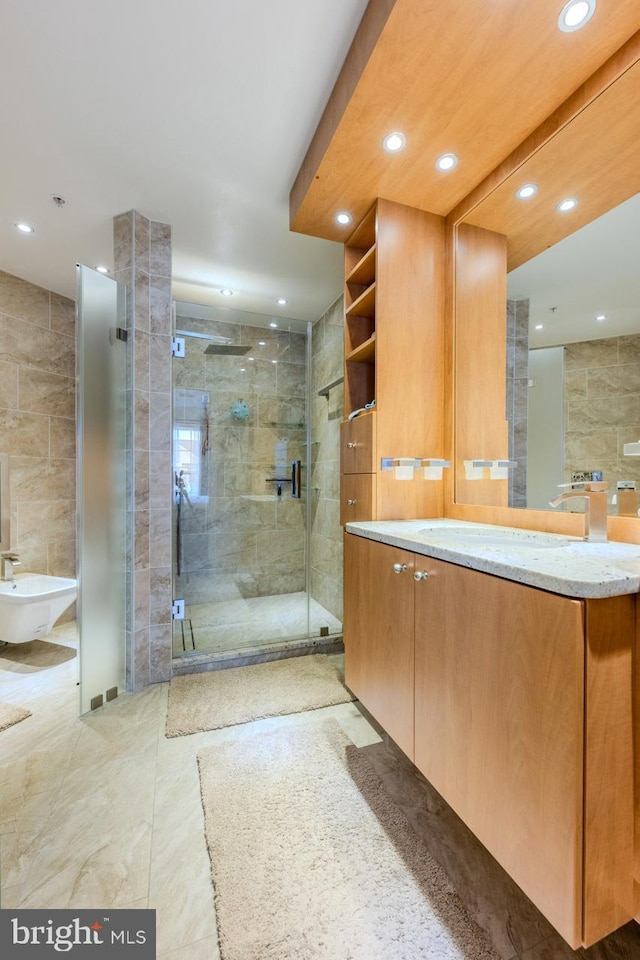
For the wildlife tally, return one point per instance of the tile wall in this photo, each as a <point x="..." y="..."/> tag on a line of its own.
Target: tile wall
<point x="326" y="414"/>
<point x="517" y="397"/>
<point x="37" y="423"/>
<point x="602" y="406"/>
<point x="142" y="260"/>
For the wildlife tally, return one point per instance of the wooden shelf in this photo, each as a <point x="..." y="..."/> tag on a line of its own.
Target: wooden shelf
<point x="365" y="353"/>
<point x="361" y="256"/>
<point x="364" y="271"/>
<point x="364" y="305"/>
<point x="364" y="235"/>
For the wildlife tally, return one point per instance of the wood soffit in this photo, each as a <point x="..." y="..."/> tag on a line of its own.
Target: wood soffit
<point x="595" y="158"/>
<point x="473" y="79"/>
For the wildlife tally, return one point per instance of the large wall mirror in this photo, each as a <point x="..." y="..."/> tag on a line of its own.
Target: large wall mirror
<point x="547" y="317"/>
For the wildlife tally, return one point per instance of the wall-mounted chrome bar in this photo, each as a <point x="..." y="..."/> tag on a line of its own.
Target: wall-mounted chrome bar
<point x="329" y="387"/>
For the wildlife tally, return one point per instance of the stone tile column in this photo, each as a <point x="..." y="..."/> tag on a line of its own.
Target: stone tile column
<point x="142" y="261"/>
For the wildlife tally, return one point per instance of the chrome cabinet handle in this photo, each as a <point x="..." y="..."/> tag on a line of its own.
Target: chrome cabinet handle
<point x="399" y="567"/>
<point x="351" y="503"/>
<point x="420" y="575"/>
<point x="351" y="446"/>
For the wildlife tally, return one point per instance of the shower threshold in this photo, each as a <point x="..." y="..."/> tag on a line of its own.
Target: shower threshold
<point x="229" y="631"/>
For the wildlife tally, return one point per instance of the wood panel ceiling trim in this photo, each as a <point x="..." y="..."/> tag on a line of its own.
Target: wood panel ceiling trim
<point x="462" y="76"/>
<point x="367" y="35"/>
<point x="595" y="159"/>
<point x="622" y="60"/>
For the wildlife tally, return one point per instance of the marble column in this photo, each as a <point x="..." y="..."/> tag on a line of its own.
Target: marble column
<point x="142" y="261"/>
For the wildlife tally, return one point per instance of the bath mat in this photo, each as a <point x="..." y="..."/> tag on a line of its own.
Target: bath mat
<point x="222" y="698"/>
<point x="10" y="715"/>
<point x="312" y="860"/>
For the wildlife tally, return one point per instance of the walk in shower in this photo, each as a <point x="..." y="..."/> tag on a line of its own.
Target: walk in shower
<point x="242" y="458"/>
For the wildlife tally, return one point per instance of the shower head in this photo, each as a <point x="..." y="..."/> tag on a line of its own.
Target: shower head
<point x="227" y="349"/>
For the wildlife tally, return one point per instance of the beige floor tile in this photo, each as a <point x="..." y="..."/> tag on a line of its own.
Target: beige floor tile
<point x="206" y="949"/>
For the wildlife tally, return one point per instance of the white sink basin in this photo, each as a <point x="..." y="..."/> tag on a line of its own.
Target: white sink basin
<point x="490" y="538"/>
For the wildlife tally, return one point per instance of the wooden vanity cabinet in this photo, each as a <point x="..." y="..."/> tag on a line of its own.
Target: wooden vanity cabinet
<point x="394" y="353"/>
<point x="358" y="443"/>
<point x="378" y="631"/>
<point x="522" y="702"/>
<point x="357" y="467"/>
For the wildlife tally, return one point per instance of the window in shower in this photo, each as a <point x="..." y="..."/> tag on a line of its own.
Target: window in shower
<point x="190" y="442"/>
<point x="187" y="446"/>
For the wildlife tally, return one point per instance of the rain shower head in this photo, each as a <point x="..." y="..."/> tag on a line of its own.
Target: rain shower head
<point x="227" y="349"/>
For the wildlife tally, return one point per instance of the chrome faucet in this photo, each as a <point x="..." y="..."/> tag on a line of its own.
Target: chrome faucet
<point x="10" y="560"/>
<point x="594" y="494"/>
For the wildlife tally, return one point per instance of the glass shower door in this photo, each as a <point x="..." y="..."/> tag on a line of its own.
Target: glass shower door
<point x="240" y="451"/>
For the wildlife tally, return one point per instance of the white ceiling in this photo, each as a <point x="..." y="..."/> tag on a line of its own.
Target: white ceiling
<point x="593" y="271"/>
<point x="196" y="113"/>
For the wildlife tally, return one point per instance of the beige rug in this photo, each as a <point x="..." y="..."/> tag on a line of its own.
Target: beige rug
<point x="312" y="860"/>
<point x="222" y="698"/>
<point x="10" y="715"/>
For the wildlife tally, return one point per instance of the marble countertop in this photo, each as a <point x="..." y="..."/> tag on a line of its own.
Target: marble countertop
<point x="569" y="566"/>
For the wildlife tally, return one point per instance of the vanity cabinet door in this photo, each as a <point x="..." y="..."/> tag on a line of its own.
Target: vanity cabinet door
<point x="378" y="633"/>
<point x="357" y="497"/>
<point x="357" y="444"/>
<point x="499" y="711"/>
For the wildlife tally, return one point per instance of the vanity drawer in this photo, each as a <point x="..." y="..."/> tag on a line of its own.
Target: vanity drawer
<point x="357" y="444"/>
<point x="357" y="497"/>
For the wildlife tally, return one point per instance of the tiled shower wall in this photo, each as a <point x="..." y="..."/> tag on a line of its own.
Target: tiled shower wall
<point x="142" y="261"/>
<point x="326" y="414"/>
<point x="517" y="397"/>
<point x="239" y="539"/>
<point x="37" y="423"/>
<point x="602" y="407"/>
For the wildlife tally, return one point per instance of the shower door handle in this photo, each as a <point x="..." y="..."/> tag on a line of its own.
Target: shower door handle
<point x="296" y="488"/>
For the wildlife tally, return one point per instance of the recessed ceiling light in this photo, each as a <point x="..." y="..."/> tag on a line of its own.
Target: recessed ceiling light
<point x="226" y="292"/>
<point x="343" y="218"/>
<point x="273" y="324"/>
<point x="25" y="228"/>
<point x="567" y="204"/>
<point x="575" y="15"/>
<point x="281" y="301"/>
<point x="394" y="142"/>
<point x="539" y="326"/>
<point x="447" y="161"/>
<point x="601" y="316"/>
<point x="529" y="190"/>
<point x="102" y="269"/>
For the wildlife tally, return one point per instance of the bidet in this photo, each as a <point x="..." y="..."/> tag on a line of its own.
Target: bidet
<point x="31" y="603"/>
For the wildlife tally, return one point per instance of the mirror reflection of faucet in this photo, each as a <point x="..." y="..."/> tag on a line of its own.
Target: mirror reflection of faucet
<point x="626" y="498"/>
<point x="594" y="494"/>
